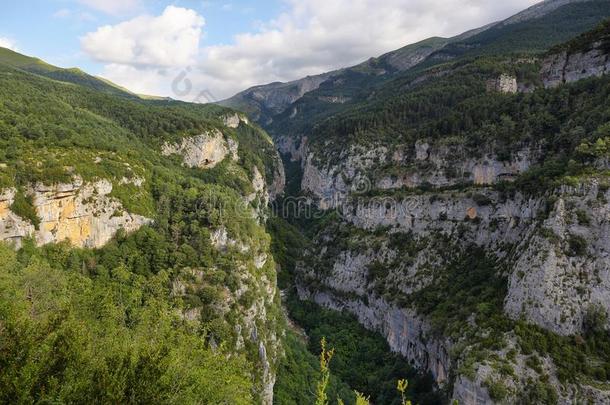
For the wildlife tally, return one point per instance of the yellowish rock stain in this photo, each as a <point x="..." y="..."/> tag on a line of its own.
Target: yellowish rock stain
<point x="60" y="219"/>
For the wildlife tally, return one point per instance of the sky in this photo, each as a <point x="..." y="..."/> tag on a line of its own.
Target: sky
<point x="207" y="50"/>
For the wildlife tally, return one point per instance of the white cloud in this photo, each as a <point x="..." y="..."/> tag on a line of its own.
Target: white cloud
<point x="66" y="13"/>
<point x="8" y="43"/>
<point x="115" y="7"/>
<point x="312" y="36"/>
<point x="171" y="39"/>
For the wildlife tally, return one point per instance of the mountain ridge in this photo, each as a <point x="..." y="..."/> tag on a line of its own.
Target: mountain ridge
<point x="257" y="100"/>
<point x="69" y="75"/>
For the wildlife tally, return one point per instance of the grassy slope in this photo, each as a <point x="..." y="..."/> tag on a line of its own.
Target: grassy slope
<point x="72" y="75"/>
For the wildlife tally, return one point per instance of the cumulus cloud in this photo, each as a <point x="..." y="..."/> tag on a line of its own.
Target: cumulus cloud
<point x="167" y="40"/>
<point x="112" y="6"/>
<point x="8" y="43"/>
<point x="312" y="36"/>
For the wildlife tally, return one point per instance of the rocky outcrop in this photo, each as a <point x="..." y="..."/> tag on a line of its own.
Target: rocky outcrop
<point x="503" y="84"/>
<point x="13" y="228"/>
<point x="278" y="184"/>
<point x="204" y="151"/>
<point x="82" y="213"/>
<point x="295" y="149"/>
<point x="358" y="170"/>
<point x="233" y="121"/>
<point x="568" y="67"/>
<point x="564" y="269"/>
<point x="334" y="99"/>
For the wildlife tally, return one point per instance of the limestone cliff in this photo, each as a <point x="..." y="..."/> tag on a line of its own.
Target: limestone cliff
<point x="504" y="84"/>
<point x="360" y="169"/>
<point x="567" y="68"/>
<point x="584" y="57"/>
<point x="563" y="270"/>
<point x="83" y="213"/>
<point x="204" y="151"/>
<point x="550" y="284"/>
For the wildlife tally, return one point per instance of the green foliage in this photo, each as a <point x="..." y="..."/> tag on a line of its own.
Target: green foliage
<point x="298" y="374"/>
<point x="24" y="207"/>
<point x="583" y="218"/>
<point x="69" y="337"/>
<point x="287" y="246"/>
<point x="471" y="284"/>
<point x="402" y="388"/>
<point x="595" y="320"/>
<point x="119" y="279"/>
<point x="534" y="35"/>
<point x="540" y="392"/>
<point x="362" y="359"/>
<point x="584" y="42"/>
<point x="481" y="199"/>
<point x="75" y="76"/>
<point x="574" y="356"/>
<point x="50" y="130"/>
<point x="322" y="385"/>
<point x="497" y="390"/>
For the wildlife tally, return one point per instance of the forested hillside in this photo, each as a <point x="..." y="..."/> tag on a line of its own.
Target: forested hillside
<point x="183" y="306"/>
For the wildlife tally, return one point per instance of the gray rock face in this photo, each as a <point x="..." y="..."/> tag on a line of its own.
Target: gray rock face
<point x="496" y="222"/>
<point x="13" y="228"/>
<point x="504" y="84"/>
<point x="82" y="213"/>
<point x="278" y="184"/>
<point x="204" y="151"/>
<point x="567" y="68"/>
<point x="295" y="149"/>
<point x="355" y="171"/>
<point x="233" y="121"/>
<point x="468" y="392"/>
<point x="274" y="98"/>
<point x="551" y="283"/>
<point x="555" y="283"/>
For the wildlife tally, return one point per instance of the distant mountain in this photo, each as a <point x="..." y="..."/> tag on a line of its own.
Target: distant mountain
<point x="535" y="29"/>
<point x="265" y="101"/>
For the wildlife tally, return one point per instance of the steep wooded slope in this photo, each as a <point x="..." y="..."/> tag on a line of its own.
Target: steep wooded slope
<point x="144" y="272"/>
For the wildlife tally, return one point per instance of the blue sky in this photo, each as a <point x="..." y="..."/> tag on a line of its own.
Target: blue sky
<point x="224" y="46"/>
<point x="50" y="29"/>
